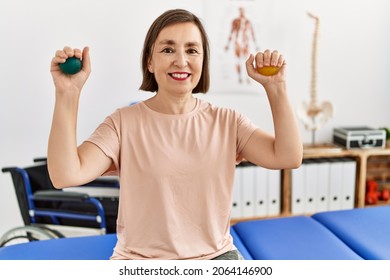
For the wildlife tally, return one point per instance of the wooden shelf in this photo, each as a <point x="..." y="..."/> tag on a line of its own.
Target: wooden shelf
<point x="362" y="157"/>
<point x="365" y="159"/>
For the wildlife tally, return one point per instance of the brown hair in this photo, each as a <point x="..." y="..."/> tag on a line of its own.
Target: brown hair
<point x="168" y="18"/>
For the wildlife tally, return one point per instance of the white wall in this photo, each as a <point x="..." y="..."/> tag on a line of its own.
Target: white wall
<point x="353" y="61"/>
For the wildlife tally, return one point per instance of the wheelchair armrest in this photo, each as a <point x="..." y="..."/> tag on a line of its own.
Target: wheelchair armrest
<point x="51" y="195"/>
<point x="8" y="169"/>
<point x="40" y="159"/>
<point x="105" y="182"/>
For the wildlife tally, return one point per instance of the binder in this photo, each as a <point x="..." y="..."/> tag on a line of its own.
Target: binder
<point x="236" y="197"/>
<point x="323" y="166"/>
<point x="310" y="186"/>
<point x="348" y="184"/>
<point x="298" y="190"/>
<point x="248" y="191"/>
<point x="335" y="183"/>
<point x="274" y="192"/>
<point x="261" y="191"/>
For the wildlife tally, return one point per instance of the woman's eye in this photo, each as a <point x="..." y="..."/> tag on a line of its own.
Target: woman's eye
<point x="167" y="50"/>
<point x="192" y="51"/>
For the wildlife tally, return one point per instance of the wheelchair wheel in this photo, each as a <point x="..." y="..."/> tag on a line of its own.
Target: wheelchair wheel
<point x="28" y="234"/>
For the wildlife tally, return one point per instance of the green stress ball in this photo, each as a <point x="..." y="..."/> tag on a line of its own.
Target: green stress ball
<point x="71" y="66"/>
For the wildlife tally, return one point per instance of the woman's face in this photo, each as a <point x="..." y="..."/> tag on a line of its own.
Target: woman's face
<point x="177" y="58"/>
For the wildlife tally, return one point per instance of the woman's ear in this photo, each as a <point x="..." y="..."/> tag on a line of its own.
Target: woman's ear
<point x="150" y="67"/>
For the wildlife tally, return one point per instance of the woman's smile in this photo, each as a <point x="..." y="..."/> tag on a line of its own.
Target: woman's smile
<point x="180" y="76"/>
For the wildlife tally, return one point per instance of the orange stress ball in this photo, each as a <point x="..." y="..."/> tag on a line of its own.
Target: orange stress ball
<point x="268" y="70"/>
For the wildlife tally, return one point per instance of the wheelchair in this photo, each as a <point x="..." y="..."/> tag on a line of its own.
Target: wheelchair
<point x="50" y="213"/>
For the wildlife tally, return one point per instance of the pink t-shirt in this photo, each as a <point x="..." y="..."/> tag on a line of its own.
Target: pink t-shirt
<point x="176" y="179"/>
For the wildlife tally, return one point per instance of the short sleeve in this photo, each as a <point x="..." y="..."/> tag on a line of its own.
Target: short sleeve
<point x="107" y="137"/>
<point x="245" y="128"/>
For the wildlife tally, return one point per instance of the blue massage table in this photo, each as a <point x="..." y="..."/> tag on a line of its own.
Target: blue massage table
<point x="364" y="230"/>
<point x="97" y="247"/>
<point x="356" y="234"/>
<point x="292" y="238"/>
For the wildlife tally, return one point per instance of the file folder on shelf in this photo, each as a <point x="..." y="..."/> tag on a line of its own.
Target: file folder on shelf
<point x="323" y="166"/>
<point x="349" y="184"/>
<point x="248" y="191"/>
<point x="274" y="192"/>
<point x="310" y="186"/>
<point x="261" y="192"/>
<point x="335" y="183"/>
<point x="298" y="190"/>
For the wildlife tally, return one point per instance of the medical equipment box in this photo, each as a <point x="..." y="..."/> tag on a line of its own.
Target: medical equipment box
<point x="359" y="137"/>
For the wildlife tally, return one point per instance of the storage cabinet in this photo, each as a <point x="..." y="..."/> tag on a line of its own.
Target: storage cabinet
<point x="378" y="168"/>
<point x="378" y="173"/>
<point x="371" y="164"/>
<point x="257" y="192"/>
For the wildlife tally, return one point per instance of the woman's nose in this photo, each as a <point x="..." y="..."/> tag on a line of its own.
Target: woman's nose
<point x="181" y="59"/>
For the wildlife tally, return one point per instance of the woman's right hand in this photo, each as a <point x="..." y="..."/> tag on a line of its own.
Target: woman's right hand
<point x="65" y="83"/>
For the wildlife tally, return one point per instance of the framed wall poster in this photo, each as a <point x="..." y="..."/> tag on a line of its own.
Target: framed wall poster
<point x="235" y="28"/>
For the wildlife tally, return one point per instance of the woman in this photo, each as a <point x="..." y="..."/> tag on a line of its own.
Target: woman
<point x="175" y="154"/>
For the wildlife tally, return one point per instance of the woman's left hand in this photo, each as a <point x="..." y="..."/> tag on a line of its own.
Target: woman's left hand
<point x="266" y="58"/>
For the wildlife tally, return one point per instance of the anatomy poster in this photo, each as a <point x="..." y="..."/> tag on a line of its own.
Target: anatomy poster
<point x="236" y="28"/>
